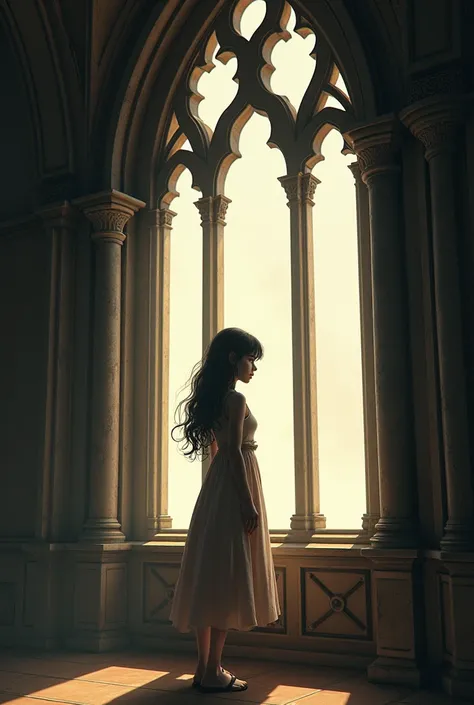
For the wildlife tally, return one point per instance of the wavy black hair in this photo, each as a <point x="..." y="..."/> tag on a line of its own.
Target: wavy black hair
<point x="211" y="379"/>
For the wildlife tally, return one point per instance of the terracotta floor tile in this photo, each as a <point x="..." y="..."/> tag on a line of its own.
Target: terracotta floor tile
<point x="11" y="699"/>
<point x="78" y="691"/>
<point x="44" y="667"/>
<point x="268" y="694"/>
<point x="125" y="675"/>
<point x="24" y="684"/>
<point x="355" y="693"/>
<point x="313" y="677"/>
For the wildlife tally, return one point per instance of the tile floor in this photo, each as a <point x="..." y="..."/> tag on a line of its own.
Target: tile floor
<point x="133" y="678"/>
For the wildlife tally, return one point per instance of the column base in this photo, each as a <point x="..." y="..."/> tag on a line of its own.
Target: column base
<point x="307" y="522"/>
<point x="102" y="531"/>
<point x="394" y="533"/>
<point x="394" y="671"/>
<point x="369" y="522"/>
<point x="157" y="524"/>
<point x="458" y="537"/>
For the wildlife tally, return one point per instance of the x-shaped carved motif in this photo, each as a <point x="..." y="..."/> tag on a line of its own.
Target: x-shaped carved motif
<point x="169" y="588"/>
<point x="337" y="602"/>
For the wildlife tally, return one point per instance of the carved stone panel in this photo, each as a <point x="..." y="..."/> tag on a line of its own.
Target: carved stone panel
<point x="87" y="606"/>
<point x="336" y="603"/>
<point x="280" y="626"/>
<point x="159" y="580"/>
<point x="115" y="594"/>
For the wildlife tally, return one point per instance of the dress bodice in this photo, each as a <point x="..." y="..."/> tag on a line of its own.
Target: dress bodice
<point x="248" y="437"/>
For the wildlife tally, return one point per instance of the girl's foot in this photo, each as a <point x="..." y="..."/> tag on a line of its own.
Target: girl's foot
<point x="198" y="676"/>
<point x="222" y="679"/>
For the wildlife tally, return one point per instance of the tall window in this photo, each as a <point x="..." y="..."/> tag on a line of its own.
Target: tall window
<point x="265" y="80"/>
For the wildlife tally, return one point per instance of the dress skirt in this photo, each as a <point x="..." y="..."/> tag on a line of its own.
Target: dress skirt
<point x="227" y="577"/>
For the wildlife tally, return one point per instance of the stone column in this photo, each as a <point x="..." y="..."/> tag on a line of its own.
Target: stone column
<point x="437" y="125"/>
<point x="300" y="191"/>
<point x="376" y="149"/>
<point x="158" y="377"/>
<point x="372" y="493"/>
<point x="213" y="210"/>
<point x="60" y="222"/>
<point x="108" y="212"/>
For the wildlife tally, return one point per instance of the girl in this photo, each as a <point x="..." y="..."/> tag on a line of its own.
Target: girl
<point x="227" y="577"/>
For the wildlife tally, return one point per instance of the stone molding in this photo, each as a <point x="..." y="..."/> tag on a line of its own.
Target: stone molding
<point x="163" y="218"/>
<point x="109" y="212"/>
<point x="213" y="209"/>
<point x="300" y="187"/>
<point x="376" y="146"/>
<point x="435" y="122"/>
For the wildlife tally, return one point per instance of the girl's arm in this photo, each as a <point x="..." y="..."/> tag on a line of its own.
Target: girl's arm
<point x="237" y="407"/>
<point x="214" y="449"/>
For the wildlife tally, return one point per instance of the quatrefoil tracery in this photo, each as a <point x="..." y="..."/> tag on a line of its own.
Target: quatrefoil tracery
<point x="298" y="134"/>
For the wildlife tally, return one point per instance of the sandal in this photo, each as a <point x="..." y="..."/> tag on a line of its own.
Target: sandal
<point x="224" y="688"/>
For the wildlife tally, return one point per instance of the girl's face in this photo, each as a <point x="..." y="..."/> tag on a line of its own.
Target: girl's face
<point x="246" y="368"/>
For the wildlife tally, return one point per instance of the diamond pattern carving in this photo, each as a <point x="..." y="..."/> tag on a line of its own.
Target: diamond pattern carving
<point x="159" y="580"/>
<point x="278" y="627"/>
<point x="335" y="603"/>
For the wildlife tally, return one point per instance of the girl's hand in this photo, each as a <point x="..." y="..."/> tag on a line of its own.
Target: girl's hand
<point x="249" y="516"/>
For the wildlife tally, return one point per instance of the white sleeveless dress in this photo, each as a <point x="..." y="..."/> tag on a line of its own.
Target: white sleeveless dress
<point x="227" y="577"/>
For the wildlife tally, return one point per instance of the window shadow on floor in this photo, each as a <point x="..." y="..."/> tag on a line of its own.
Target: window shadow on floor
<point x="136" y="678"/>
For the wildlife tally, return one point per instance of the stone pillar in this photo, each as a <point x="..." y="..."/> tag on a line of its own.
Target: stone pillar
<point x="213" y="210"/>
<point x="158" y="377"/>
<point x="437" y="125"/>
<point x="60" y="223"/>
<point x="108" y="212"/>
<point x="376" y="149"/>
<point x="300" y="191"/>
<point x="372" y="513"/>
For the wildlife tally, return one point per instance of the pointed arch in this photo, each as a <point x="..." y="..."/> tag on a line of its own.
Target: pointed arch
<point x="166" y="48"/>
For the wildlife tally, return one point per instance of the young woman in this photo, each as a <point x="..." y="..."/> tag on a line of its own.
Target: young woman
<point x="227" y="577"/>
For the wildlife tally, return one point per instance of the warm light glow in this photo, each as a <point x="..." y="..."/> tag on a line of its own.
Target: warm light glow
<point x="258" y="299"/>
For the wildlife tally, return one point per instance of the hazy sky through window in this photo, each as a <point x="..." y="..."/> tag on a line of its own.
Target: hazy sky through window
<point x="258" y="299"/>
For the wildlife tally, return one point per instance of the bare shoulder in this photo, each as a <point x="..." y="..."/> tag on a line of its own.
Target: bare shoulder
<point x="236" y="402"/>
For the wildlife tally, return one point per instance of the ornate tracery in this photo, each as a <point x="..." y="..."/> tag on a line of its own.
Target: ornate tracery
<point x="298" y="133"/>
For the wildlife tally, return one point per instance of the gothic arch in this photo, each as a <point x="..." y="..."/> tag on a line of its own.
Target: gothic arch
<point x="171" y="42"/>
<point x="35" y="41"/>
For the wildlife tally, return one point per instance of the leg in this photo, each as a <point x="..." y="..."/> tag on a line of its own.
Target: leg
<point x="203" y="640"/>
<point x="215" y="675"/>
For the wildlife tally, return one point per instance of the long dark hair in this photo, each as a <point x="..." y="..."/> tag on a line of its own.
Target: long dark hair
<point x="211" y="379"/>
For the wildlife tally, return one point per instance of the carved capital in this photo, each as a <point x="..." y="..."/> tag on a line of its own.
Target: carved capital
<point x="213" y="209"/>
<point x="109" y="212"/>
<point x="164" y="218"/>
<point x="204" y="206"/>
<point x="221" y="203"/>
<point x="300" y="187"/>
<point x="436" y="123"/>
<point x="356" y="171"/>
<point x="376" y="147"/>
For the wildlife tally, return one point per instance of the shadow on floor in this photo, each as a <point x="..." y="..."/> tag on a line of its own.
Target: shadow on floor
<point x="134" y="678"/>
